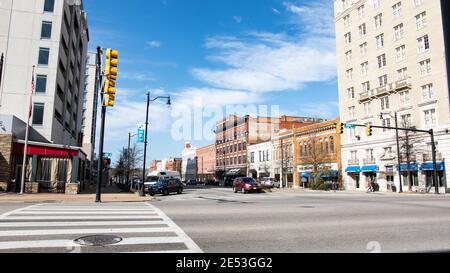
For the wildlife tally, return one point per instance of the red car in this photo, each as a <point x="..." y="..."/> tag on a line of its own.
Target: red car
<point x="245" y="185"/>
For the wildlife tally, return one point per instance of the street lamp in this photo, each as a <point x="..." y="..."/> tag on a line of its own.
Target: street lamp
<point x="169" y="103"/>
<point x="398" y="149"/>
<point x="128" y="159"/>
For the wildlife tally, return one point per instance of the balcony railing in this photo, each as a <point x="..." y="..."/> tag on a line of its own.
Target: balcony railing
<point x="353" y="161"/>
<point x="429" y="157"/>
<point x="384" y="90"/>
<point x="368" y="161"/>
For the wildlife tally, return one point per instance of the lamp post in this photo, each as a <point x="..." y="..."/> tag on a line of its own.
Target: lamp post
<point x="398" y="149"/>
<point x="128" y="159"/>
<point x="1" y="68"/>
<point x="142" y="191"/>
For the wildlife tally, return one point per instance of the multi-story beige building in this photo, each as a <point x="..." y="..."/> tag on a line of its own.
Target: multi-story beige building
<point x="53" y="36"/>
<point x="393" y="58"/>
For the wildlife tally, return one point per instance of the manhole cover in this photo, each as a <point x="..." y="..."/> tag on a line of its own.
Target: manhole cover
<point x="98" y="240"/>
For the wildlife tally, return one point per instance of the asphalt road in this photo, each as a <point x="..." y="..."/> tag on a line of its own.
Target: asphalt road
<point x="219" y="221"/>
<point x="294" y="221"/>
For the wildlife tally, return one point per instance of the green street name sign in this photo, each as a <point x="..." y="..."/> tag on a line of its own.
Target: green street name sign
<point x="350" y="126"/>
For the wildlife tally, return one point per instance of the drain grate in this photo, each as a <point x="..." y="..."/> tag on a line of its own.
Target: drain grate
<point x="98" y="240"/>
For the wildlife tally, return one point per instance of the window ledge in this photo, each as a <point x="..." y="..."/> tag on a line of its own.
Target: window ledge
<point x="428" y="103"/>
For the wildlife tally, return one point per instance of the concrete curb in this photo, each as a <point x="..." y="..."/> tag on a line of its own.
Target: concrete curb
<point x="37" y="198"/>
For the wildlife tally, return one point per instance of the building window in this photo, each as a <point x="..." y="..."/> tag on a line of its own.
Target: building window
<point x="384" y="103"/>
<point x="44" y="54"/>
<point x="423" y="44"/>
<point x="348" y="38"/>
<point x="347" y="21"/>
<point x="400" y="53"/>
<point x="49" y="5"/>
<point x="344" y="4"/>
<point x="406" y="120"/>
<point x="421" y="20"/>
<point x="380" y="40"/>
<point x="363" y="49"/>
<point x="425" y="67"/>
<point x="427" y="92"/>
<point x="367" y="108"/>
<point x="360" y="11"/>
<point x="404" y="98"/>
<point x="351" y="112"/>
<point x="252" y="157"/>
<point x="46" y="30"/>
<point x="349" y="74"/>
<point x="38" y="114"/>
<point x="41" y="83"/>
<point x="369" y="154"/>
<point x="376" y="4"/>
<point x="332" y="146"/>
<point x="399" y="32"/>
<point x="397" y="9"/>
<point x="364" y="68"/>
<point x="386" y="123"/>
<point x="381" y="61"/>
<point x="383" y="80"/>
<point x="430" y="117"/>
<point x="418" y="2"/>
<point x="354" y="156"/>
<point x="351" y="93"/>
<point x="402" y="74"/>
<point x="348" y="56"/>
<point x="260" y="158"/>
<point x="366" y="86"/>
<point x="362" y="30"/>
<point x="378" y="20"/>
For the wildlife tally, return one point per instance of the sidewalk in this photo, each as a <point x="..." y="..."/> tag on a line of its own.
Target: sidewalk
<point x="109" y="194"/>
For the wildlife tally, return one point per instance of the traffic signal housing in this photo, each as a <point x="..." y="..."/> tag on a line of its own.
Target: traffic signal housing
<point x="369" y="130"/>
<point x="340" y="128"/>
<point x="109" y="89"/>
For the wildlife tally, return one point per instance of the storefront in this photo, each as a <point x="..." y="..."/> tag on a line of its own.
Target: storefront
<point x="410" y="174"/>
<point x="427" y="169"/>
<point x="49" y="168"/>
<point x="370" y="172"/>
<point x="354" y="172"/>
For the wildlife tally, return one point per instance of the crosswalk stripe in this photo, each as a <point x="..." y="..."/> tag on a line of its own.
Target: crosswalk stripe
<point x="87" y="212"/>
<point x="70" y="243"/>
<point x="81" y="217"/>
<point x="82" y="231"/>
<point x="64" y="224"/>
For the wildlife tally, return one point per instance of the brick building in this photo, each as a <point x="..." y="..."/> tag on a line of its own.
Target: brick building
<point x="206" y="163"/>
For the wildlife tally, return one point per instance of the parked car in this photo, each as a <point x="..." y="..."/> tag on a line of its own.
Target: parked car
<point x="165" y="187"/>
<point x="245" y="185"/>
<point x="270" y="182"/>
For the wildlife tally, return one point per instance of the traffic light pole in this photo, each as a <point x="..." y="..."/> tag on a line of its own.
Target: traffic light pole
<point x="433" y="146"/>
<point x="1" y="69"/>
<point x="102" y="132"/>
<point x="398" y="155"/>
<point x="142" y="190"/>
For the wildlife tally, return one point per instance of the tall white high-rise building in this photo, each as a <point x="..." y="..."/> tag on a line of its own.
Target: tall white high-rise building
<point x="90" y="105"/>
<point x="393" y="58"/>
<point x="53" y="36"/>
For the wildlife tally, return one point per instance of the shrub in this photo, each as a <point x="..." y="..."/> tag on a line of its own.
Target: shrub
<point x="320" y="185"/>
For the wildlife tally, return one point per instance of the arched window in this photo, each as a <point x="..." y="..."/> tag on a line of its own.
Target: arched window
<point x="332" y="145"/>
<point x="321" y="147"/>
<point x="301" y="149"/>
<point x="326" y="146"/>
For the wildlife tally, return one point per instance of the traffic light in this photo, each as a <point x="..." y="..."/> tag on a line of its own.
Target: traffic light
<point x="340" y="128"/>
<point x="109" y="89"/>
<point x="369" y="130"/>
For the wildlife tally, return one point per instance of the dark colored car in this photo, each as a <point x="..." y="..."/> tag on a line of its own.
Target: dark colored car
<point x="165" y="187"/>
<point x="245" y="185"/>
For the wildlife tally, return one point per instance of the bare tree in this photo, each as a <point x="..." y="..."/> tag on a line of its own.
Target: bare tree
<point x="128" y="161"/>
<point x="409" y="149"/>
<point x="315" y="153"/>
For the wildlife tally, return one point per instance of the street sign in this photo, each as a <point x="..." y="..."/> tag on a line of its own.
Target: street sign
<point x="350" y="126"/>
<point x="141" y="135"/>
<point x="107" y="155"/>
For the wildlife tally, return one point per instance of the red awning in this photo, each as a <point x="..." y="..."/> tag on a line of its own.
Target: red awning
<point x="44" y="151"/>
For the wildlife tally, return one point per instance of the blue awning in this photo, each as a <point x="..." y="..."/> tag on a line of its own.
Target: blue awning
<point x="369" y="169"/>
<point x="353" y="169"/>
<point x="429" y="166"/>
<point x="305" y="175"/>
<point x="412" y="167"/>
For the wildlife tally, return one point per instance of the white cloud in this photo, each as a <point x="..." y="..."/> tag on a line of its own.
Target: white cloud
<point x="154" y="44"/>
<point x="137" y="76"/>
<point x="276" y="11"/>
<point x="265" y="62"/>
<point x="328" y="110"/>
<point x="315" y="18"/>
<point x="238" y="19"/>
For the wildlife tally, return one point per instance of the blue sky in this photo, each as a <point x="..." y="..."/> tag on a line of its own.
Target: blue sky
<point x="210" y="54"/>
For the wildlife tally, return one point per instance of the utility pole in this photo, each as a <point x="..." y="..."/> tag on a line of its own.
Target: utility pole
<point x="282" y="164"/>
<point x="102" y="130"/>
<point x="398" y="155"/>
<point x="1" y="68"/>
<point x="433" y="151"/>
